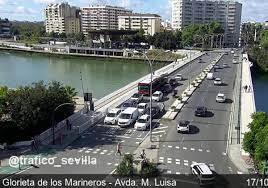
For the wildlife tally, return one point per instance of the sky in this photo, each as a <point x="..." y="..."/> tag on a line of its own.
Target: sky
<point x="32" y="10"/>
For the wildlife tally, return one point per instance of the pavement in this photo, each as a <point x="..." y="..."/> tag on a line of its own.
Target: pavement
<point x="207" y="141"/>
<point x="99" y="142"/>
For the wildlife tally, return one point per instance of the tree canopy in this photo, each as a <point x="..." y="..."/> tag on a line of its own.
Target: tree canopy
<point x="30" y="109"/>
<point x="256" y="140"/>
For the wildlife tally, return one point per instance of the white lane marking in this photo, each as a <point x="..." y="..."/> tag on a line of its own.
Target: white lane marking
<point x="185" y="161"/>
<point x="159" y="128"/>
<point x="123" y="136"/>
<point x="122" y="141"/>
<point x="170" y="146"/>
<point x="103" y="139"/>
<point x="192" y="149"/>
<point x="223" y="153"/>
<point x="177" y="147"/>
<point x="169" y="171"/>
<point x="169" y="159"/>
<point x="157" y="132"/>
<point x="139" y="138"/>
<point x="169" y="162"/>
<point x="127" y="153"/>
<point x="98" y="149"/>
<point x="178" y="173"/>
<point x="57" y="166"/>
<point x="185" y="148"/>
<point x="161" y="157"/>
<point x="200" y="150"/>
<point x="116" y="164"/>
<point x="186" y="164"/>
<point x="137" y="142"/>
<point x="102" y="153"/>
<point x="105" y="150"/>
<point x="161" y="161"/>
<point x="238" y="172"/>
<point x="87" y="151"/>
<point x="208" y="151"/>
<point x="109" y="164"/>
<point x="178" y="162"/>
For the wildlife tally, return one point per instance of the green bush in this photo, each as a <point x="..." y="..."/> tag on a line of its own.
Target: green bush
<point x="149" y="170"/>
<point x="125" y="168"/>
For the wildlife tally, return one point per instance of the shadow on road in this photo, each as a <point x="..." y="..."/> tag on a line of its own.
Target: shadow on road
<point x="194" y="129"/>
<point x="229" y="101"/>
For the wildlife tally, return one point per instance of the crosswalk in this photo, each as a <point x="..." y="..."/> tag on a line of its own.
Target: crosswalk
<point x="184" y="148"/>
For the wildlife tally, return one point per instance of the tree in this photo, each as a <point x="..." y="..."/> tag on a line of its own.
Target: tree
<point x="30" y="108"/>
<point x="256" y="140"/>
<point x="3" y="97"/>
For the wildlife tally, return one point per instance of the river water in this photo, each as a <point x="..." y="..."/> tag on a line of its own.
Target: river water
<point x="260" y="82"/>
<point x="100" y="76"/>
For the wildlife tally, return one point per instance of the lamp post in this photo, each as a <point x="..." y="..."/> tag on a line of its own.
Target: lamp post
<point x="53" y="117"/>
<point x="151" y="88"/>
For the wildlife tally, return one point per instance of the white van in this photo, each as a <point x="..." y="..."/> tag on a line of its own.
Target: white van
<point x="128" y="117"/>
<point x="210" y="76"/>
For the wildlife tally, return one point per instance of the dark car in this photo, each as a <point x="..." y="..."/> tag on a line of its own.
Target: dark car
<point x="201" y="111"/>
<point x="157" y="109"/>
<point x="173" y="82"/>
<point x="167" y="88"/>
<point x="129" y="103"/>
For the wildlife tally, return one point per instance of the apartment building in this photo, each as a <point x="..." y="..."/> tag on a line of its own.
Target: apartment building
<point x="5" y="26"/>
<point x="62" y="18"/>
<point x="150" y="23"/>
<point x="101" y="17"/>
<point x="227" y="13"/>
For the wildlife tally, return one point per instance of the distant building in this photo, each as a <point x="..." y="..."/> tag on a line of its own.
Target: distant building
<point x="227" y="13"/>
<point x="62" y="18"/>
<point x="150" y="23"/>
<point x="5" y="26"/>
<point x="166" y="25"/>
<point x="101" y="17"/>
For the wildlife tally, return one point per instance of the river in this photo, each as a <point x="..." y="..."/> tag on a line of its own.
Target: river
<point x="260" y="82"/>
<point x="100" y="76"/>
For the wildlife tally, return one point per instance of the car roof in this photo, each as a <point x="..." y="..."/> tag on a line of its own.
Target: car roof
<point x="218" y="79"/>
<point x="142" y="104"/>
<point x="129" y="110"/>
<point x="144" y="116"/>
<point x="157" y="92"/>
<point x="220" y="94"/>
<point x="203" y="168"/>
<point x="114" y="110"/>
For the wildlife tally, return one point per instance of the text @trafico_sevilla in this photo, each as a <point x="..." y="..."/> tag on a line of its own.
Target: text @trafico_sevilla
<point x="15" y="161"/>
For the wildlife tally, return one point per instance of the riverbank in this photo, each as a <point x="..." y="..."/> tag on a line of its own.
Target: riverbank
<point x="86" y="56"/>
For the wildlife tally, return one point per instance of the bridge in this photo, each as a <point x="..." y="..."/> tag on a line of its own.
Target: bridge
<point x="215" y="140"/>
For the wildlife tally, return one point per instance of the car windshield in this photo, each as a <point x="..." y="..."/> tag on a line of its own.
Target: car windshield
<point x="136" y="95"/>
<point x="221" y="97"/>
<point x="126" y="105"/>
<point x="142" y="121"/>
<point x="125" y="116"/>
<point x="218" y="79"/>
<point x="141" y="107"/>
<point x="183" y="124"/>
<point x="178" y="75"/>
<point x="156" y="94"/>
<point x="111" y="114"/>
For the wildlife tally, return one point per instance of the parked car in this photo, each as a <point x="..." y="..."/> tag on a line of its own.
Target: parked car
<point x="216" y="67"/>
<point x="157" y="110"/>
<point x="142" y="108"/>
<point x="217" y="81"/>
<point x="142" y="123"/>
<point x="128" y="117"/>
<point x="129" y="103"/>
<point x="157" y="96"/>
<point x="235" y="61"/>
<point x="172" y="82"/>
<point x="179" y="77"/>
<point x="112" y="116"/>
<point x="225" y="65"/>
<point x="201" y="111"/>
<point x="220" y="98"/>
<point x="167" y="88"/>
<point x="183" y="127"/>
<point x="203" y="173"/>
<point x="137" y="97"/>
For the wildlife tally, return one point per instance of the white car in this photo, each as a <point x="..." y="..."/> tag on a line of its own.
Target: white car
<point x="203" y="173"/>
<point x="137" y="97"/>
<point x="225" y="65"/>
<point x="178" y="77"/>
<point x="183" y="126"/>
<point x="142" y="123"/>
<point x="220" y="98"/>
<point x="232" y="52"/>
<point x="235" y="61"/>
<point x="157" y="96"/>
<point x="142" y="107"/>
<point x="210" y="76"/>
<point x="112" y="116"/>
<point x="217" y="81"/>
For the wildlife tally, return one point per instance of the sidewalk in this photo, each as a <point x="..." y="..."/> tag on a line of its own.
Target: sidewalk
<point x="247" y="106"/>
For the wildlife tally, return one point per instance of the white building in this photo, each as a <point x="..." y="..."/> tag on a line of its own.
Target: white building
<point x="227" y="13"/>
<point x="101" y="17"/>
<point x="150" y="23"/>
<point x="166" y="25"/>
<point x="62" y="18"/>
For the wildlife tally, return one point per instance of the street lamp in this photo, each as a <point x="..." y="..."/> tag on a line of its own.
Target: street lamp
<point x="53" y="117"/>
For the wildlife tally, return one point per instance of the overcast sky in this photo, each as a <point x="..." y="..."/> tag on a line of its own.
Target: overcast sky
<point x="32" y="10"/>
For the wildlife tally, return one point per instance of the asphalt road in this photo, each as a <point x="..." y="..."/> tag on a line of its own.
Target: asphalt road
<point x="207" y="140"/>
<point x="100" y="141"/>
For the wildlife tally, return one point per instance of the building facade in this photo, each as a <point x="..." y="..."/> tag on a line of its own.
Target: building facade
<point x="227" y="13"/>
<point x="5" y="26"/>
<point x="101" y="18"/>
<point x="150" y="23"/>
<point x="62" y="18"/>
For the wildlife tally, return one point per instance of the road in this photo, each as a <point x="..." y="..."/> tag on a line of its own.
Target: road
<point x="207" y="140"/>
<point x="100" y="141"/>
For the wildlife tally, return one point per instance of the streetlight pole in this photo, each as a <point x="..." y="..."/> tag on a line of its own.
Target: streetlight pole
<point x="53" y="118"/>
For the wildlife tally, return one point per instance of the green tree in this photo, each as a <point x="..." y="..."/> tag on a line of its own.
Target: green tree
<point x="256" y="141"/>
